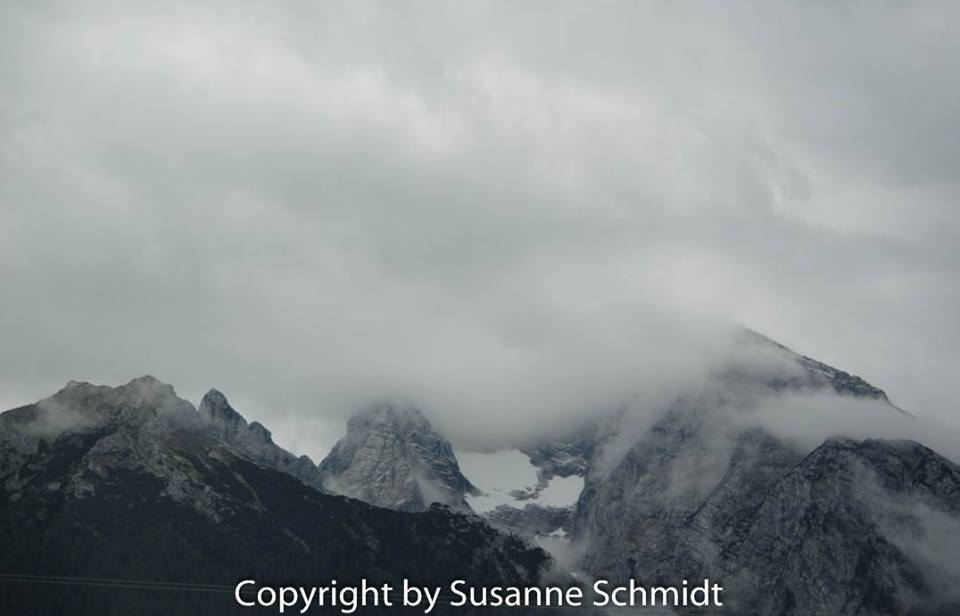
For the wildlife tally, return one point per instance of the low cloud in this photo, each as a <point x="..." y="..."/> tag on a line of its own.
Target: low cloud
<point x="504" y="214"/>
<point x="810" y="418"/>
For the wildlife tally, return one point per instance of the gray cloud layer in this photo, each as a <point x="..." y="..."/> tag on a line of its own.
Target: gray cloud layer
<point x="496" y="209"/>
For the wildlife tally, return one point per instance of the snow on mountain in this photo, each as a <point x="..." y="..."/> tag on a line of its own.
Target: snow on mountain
<point x="508" y="478"/>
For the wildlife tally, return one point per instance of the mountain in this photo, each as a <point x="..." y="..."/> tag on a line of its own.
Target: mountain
<point x="254" y="440"/>
<point x="391" y="457"/>
<point x="875" y="523"/>
<point x="133" y="483"/>
<point x="703" y="488"/>
<point x="851" y="527"/>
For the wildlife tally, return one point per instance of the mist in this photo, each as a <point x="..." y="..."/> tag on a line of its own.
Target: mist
<point x="807" y="420"/>
<point x="505" y="215"/>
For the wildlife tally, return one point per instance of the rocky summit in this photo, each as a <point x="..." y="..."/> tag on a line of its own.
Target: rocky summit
<point x="254" y="440"/>
<point x="391" y="457"/>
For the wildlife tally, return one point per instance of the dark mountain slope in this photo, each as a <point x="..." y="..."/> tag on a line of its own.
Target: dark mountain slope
<point x="127" y="483"/>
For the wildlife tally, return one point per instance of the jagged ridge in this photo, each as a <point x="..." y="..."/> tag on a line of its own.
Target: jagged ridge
<point x="133" y="483"/>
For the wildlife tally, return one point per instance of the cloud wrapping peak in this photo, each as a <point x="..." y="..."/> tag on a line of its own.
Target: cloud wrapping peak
<point x="501" y="211"/>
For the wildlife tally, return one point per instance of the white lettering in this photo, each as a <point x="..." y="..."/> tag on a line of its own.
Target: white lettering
<point x="236" y="593"/>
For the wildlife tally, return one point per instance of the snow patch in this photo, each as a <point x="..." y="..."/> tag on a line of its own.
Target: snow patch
<point x="561" y="492"/>
<point x="502" y="474"/>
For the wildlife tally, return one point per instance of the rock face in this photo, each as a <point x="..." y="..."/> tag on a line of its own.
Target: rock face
<point x="133" y="483"/>
<point x="532" y="520"/>
<point x="867" y="528"/>
<point x="564" y="457"/>
<point x="391" y="457"/>
<point x="254" y="440"/>
<point x="864" y="521"/>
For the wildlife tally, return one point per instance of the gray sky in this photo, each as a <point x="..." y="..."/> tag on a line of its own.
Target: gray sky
<point x="500" y="211"/>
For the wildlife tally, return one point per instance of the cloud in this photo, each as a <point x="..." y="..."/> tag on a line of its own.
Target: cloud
<point x="502" y="213"/>
<point x="918" y="525"/>
<point x="808" y="419"/>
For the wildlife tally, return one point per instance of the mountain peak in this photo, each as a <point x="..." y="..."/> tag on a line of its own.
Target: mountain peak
<point x="391" y="416"/>
<point x="148" y="410"/>
<point x="149" y="388"/>
<point x="253" y="440"/>
<point x="215" y="408"/>
<point x="391" y="457"/>
<point x="261" y="432"/>
<point x="146" y="378"/>
<point x="808" y="374"/>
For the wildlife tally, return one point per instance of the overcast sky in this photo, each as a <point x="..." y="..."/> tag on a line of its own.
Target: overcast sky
<point x="494" y="210"/>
